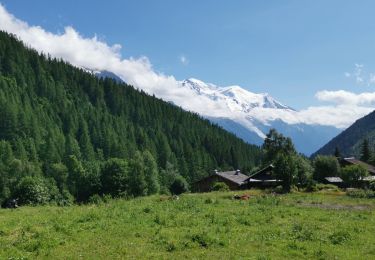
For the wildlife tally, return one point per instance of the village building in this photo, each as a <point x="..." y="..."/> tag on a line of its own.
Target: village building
<point x="353" y="161"/>
<point x="237" y="180"/>
<point x="263" y="178"/>
<point x="335" y="181"/>
<point x="234" y="179"/>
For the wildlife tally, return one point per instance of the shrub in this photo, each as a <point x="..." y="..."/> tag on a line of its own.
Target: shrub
<point x="279" y="189"/>
<point x="32" y="190"/>
<point x="179" y="185"/>
<point x="220" y="186"/>
<point x="311" y="186"/>
<point x="95" y="199"/>
<point x="331" y="187"/>
<point x="359" y="193"/>
<point x="352" y="174"/>
<point x="339" y="237"/>
<point x="325" y="166"/>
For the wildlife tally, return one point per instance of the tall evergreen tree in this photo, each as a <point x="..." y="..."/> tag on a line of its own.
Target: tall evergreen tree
<point x="365" y="151"/>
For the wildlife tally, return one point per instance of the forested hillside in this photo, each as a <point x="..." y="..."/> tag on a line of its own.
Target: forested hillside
<point x="60" y="128"/>
<point x="349" y="142"/>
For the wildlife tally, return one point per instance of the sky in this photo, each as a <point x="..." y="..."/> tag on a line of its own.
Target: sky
<point x="310" y="55"/>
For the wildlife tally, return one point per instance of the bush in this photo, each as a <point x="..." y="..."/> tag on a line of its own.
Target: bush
<point x="311" y="186"/>
<point x="219" y="186"/>
<point x="95" y="199"/>
<point x="359" y="193"/>
<point x="32" y="190"/>
<point x="353" y="174"/>
<point x="325" y="166"/>
<point x="65" y="199"/>
<point x="179" y="185"/>
<point x="279" y="189"/>
<point x="331" y="187"/>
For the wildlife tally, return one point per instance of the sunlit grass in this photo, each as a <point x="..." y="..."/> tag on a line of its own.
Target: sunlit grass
<point x="210" y="225"/>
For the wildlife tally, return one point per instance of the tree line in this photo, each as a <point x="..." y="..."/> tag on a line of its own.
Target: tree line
<point x="297" y="171"/>
<point x="65" y="131"/>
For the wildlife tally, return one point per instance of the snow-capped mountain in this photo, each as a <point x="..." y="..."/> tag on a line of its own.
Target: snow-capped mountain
<point x="246" y="114"/>
<point x="237" y="98"/>
<point x="246" y="118"/>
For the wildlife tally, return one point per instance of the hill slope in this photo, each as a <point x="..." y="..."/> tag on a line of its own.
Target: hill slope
<point x="51" y="110"/>
<point x="349" y="141"/>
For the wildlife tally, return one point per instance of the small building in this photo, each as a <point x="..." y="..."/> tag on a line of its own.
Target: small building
<point x="263" y="178"/>
<point x="353" y="161"/>
<point x="234" y="179"/>
<point x="335" y="181"/>
<point x="237" y="180"/>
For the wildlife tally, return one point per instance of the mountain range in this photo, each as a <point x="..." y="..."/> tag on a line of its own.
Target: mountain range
<point x="247" y="114"/>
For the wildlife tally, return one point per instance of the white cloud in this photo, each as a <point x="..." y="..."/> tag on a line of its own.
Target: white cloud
<point x="95" y="54"/>
<point x="184" y="60"/>
<point x="342" y="97"/>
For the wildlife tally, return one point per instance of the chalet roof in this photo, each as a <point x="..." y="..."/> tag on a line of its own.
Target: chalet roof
<point x="233" y="176"/>
<point x="369" y="178"/>
<point x="353" y="160"/>
<point x="264" y="170"/>
<point x="267" y="172"/>
<point x="334" y="179"/>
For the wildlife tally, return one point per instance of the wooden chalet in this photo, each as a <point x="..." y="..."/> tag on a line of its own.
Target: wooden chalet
<point x="263" y="178"/>
<point x="354" y="161"/>
<point x="234" y="179"/>
<point x="237" y="180"/>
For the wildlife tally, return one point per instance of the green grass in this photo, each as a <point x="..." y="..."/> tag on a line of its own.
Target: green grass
<point x="212" y="225"/>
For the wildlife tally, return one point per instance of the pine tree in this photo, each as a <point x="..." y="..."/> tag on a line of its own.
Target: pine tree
<point x="151" y="173"/>
<point x="365" y="151"/>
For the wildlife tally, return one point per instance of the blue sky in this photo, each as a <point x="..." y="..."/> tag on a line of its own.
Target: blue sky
<point x="290" y="49"/>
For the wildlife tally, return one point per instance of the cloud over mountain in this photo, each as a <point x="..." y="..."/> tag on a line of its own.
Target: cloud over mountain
<point x="95" y="54"/>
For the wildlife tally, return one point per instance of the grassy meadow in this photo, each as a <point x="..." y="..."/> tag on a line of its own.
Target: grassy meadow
<point x="327" y="225"/>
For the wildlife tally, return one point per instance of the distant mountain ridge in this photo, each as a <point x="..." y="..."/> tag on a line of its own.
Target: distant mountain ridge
<point x="349" y="141"/>
<point x="244" y="117"/>
<point x="244" y="114"/>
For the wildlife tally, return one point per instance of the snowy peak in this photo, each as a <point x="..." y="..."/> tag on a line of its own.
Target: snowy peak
<point x="235" y="97"/>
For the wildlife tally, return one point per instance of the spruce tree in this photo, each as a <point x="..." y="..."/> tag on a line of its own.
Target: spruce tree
<point x="365" y="151"/>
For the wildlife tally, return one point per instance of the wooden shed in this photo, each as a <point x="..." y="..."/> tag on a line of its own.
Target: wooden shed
<point x="234" y="179"/>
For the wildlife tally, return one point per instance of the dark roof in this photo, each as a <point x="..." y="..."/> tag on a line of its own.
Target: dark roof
<point x="233" y="176"/>
<point x="263" y="175"/>
<point x="334" y="179"/>
<point x="353" y="160"/>
<point x="266" y="169"/>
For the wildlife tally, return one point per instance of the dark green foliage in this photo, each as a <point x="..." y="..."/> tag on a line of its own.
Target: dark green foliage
<point x="179" y="185"/>
<point x="291" y="168"/>
<point x="325" y="166"/>
<point x="286" y="169"/>
<point x="220" y="186"/>
<point x="32" y="190"/>
<point x="114" y="177"/>
<point x="62" y="123"/>
<point x="361" y="193"/>
<point x="274" y="144"/>
<point x="352" y="174"/>
<point x="365" y="151"/>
